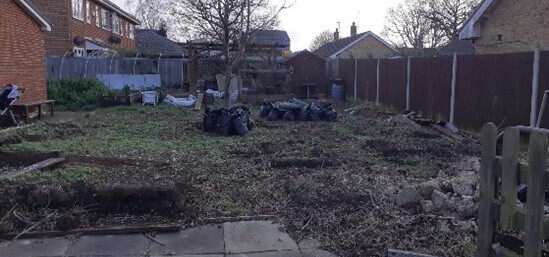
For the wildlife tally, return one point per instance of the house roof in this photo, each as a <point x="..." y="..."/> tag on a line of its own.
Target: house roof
<point x="149" y="40"/>
<point x="471" y="28"/>
<point x="35" y="13"/>
<point x="333" y="49"/>
<point x="459" y="47"/>
<point x="265" y="37"/>
<point x="122" y="12"/>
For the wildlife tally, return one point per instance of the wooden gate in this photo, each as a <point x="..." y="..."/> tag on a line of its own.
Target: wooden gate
<point x="506" y="172"/>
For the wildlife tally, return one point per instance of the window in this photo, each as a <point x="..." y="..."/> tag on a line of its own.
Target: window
<point x="115" y="24"/>
<point x="88" y="12"/>
<point x="132" y="28"/>
<point x="127" y="29"/>
<point x="97" y="16"/>
<point x="106" y="19"/>
<point x="122" y="26"/>
<point x="77" y="9"/>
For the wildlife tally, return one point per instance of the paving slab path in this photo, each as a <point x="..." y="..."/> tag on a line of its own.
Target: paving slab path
<point x="239" y="239"/>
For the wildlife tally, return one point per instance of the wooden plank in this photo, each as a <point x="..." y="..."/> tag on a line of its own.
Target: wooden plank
<point x="519" y="221"/>
<point x="98" y="231"/>
<point x="38" y="166"/>
<point x="536" y="195"/>
<point x="198" y="105"/>
<point x="487" y="189"/>
<point x="511" y="144"/>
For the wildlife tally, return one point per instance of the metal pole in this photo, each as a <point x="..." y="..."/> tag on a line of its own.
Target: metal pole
<point x="535" y="88"/>
<point x="453" y="99"/>
<point x="378" y="80"/>
<point x="408" y="77"/>
<point x="356" y="78"/>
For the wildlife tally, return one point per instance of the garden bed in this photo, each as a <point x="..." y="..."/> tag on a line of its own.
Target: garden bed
<point x="335" y="182"/>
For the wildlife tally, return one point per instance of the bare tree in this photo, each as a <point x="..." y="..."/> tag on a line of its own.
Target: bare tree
<point x="448" y="16"/>
<point x="408" y="26"/>
<point x="229" y="24"/>
<point x="157" y="15"/>
<point x="321" y="39"/>
<point x="427" y="23"/>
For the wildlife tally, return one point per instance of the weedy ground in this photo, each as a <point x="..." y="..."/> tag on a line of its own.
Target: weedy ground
<point x="334" y="182"/>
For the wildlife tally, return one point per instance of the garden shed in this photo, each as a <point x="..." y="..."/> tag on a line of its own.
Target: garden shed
<point x="309" y="72"/>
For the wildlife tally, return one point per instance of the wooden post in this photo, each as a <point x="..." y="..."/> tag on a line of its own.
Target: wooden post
<point x="511" y="145"/>
<point x="378" y="80"/>
<point x="537" y="162"/>
<point x="453" y="99"/>
<point x="487" y="190"/>
<point x="408" y="77"/>
<point x="535" y="88"/>
<point x="356" y="78"/>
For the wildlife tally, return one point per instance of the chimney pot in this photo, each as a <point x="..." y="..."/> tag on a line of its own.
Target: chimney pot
<point x="336" y="35"/>
<point x="353" y="29"/>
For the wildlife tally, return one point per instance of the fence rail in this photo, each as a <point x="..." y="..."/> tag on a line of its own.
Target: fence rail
<point x="173" y="72"/>
<point x="466" y="90"/>
<point x="502" y="207"/>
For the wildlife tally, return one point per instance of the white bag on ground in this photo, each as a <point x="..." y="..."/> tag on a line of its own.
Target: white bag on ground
<point x="184" y="102"/>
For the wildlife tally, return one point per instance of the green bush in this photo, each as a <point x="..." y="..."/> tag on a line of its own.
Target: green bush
<point x="77" y="94"/>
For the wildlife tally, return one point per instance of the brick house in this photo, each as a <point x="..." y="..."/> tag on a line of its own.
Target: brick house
<point x="357" y="46"/>
<point x="86" y="26"/>
<point x="22" y="62"/>
<point x="504" y="26"/>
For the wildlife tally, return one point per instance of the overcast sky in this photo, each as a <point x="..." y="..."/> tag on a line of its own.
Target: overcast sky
<point x="308" y="18"/>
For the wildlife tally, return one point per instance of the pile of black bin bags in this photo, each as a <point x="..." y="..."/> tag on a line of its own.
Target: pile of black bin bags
<point x="296" y="110"/>
<point x="233" y="122"/>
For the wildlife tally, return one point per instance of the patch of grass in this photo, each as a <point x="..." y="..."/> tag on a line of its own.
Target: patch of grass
<point x="76" y="174"/>
<point x="230" y="207"/>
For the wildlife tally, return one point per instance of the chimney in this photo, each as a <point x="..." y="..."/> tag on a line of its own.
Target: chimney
<point x="353" y="29"/>
<point x="336" y="35"/>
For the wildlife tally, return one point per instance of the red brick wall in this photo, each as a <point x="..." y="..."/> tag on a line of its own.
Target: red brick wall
<point x="65" y="27"/>
<point x="22" y="55"/>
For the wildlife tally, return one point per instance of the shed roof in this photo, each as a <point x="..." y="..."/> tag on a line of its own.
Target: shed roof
<point x="458" y="46"/>
<point x="266" y="37"/>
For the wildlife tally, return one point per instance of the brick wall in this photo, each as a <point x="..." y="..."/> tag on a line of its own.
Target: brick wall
<point x="369" y="47"/>
<point x="523" y="25"/>
<point x="22" y="55"/>
<point x="65" y="27"/>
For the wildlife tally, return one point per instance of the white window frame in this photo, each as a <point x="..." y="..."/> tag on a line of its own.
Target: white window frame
<point x="78" y="9"/>
<point x="115" y="23"/>
<point x="105" y="19"/>
<point x="97" y="16"/>
<point x="122" y="26"/>
<point x="88" y="12"/>
<point x="132" y="30"/>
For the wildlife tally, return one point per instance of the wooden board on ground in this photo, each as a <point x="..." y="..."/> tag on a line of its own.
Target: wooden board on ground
<point x="38" y="166"/>
<point x="198" y="105"/>
<point x="98" y="231"/>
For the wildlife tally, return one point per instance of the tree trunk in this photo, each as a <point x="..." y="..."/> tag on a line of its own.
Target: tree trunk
<point x="228" y="78"/>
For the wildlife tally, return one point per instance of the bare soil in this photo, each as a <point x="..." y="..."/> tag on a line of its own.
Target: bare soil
<point x="334" y="182"/>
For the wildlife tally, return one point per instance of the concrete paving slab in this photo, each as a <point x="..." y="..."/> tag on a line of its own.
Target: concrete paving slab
<point x="308" y="243"/>
<point x="317" y="253"/>
<point x="35" y="248"/>
<point x="190" y="255"/>
<point x="292" y="253"/>
<point x="203" y="240"/>
<point x="110" y="245"/>
<point x="256" y="236"/>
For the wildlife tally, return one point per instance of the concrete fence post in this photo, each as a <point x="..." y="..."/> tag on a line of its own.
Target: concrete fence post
<point x="453" y="98"/>
<point x="356" y="79"/>
<point x="535" y="88"/>
<point x="408" y="77"/>
<point x="378" y="80"/>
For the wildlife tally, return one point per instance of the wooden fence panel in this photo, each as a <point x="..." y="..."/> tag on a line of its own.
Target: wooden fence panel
<point x="431" y="86"/>
<point x="494" y="88"/>
<point x="393" y="75"/>
<point x="367" y="79"/>
<point x="347" y="73"/>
